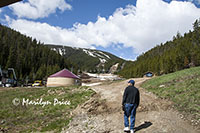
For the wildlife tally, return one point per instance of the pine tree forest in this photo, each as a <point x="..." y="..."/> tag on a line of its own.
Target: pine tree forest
<point x="180" y="53"/>
<point x="30" y="59"/>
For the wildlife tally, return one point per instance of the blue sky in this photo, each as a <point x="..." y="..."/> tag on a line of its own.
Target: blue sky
<point x="125" y="28"/>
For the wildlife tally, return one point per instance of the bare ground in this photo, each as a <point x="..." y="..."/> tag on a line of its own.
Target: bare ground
<point x="103" y="114"/>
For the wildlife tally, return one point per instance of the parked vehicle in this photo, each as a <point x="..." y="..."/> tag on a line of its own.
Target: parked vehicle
<point x="149" y="74"/>
<point x="8" y="78"/>
<point x="37" y="83"/>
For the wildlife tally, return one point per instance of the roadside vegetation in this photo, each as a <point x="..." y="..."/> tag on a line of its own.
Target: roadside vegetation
<point x="49" y="117"/>
<point x="181" y="87"/>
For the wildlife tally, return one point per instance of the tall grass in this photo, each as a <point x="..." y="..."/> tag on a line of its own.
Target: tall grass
<point x="182" y="87"/>
<point x="28" y="118"/>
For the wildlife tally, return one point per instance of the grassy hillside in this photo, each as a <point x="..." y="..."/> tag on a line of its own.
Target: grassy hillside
<point x="22" y="118"/>
<point x="182" y="87"/>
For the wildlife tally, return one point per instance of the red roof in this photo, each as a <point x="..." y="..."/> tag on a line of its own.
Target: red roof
<point x="65" y="73"/>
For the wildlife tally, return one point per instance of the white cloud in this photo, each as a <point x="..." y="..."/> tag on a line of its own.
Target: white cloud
<point x="141" y="27"/>
<point x="7" y="19"/>
<point x="48" y="34"/>
<point x="34" y="9"/>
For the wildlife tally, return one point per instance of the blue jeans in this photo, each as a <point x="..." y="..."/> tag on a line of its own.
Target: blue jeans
<point x="130" y="111"/>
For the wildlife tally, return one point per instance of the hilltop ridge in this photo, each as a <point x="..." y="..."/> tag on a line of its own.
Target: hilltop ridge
<point x="89" y="60"/>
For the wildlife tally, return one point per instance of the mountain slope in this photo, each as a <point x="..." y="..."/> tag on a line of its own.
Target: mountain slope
<point x="89" y="59"/>
<point x="34" y="60"/>
<point x="30" y="59"/>
<point x="180" y="53"/>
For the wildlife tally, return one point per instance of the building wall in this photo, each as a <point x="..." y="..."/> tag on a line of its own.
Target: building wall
<point x="61" y="81"/>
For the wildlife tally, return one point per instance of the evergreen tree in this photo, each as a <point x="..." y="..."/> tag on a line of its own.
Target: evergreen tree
<point x="182" y="52"/>
<point x="29" y="58"/>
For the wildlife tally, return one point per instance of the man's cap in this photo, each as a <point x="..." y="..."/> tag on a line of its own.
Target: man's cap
<point x="131" y="81"/>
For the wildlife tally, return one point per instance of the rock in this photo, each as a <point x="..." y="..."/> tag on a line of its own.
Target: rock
<point x="3" y="121"/>
<point x="161" y="86"/>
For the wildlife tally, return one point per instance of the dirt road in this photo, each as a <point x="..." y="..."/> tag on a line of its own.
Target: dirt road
<point x="103" y="114"/>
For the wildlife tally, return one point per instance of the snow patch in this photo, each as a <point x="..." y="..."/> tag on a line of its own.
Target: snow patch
<point x="64" y="51"/>
<point x="104" y="54"/>
<point x="103" y="76"/>
<point x="88" y="52"/>
<point x="116" y="65"/>
<point x="92" y="84"/>
<point x="60" y="51"/>
<point x="92" y="75"/>
<point x="102" y="60"/>
<point x="54" y="49"/>
<point x="99" y="55"/>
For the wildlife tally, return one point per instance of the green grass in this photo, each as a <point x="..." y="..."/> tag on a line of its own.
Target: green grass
<point x="182" y="87"/>
<point x="34" y="118"/>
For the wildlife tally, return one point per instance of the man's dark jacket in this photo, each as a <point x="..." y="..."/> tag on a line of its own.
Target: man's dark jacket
<point x="131" y="95"/>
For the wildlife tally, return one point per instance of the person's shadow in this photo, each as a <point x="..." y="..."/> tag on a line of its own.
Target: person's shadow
<point x="146" y="124"/>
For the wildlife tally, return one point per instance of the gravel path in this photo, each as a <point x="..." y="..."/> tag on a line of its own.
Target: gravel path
<point x="103" y="114"/>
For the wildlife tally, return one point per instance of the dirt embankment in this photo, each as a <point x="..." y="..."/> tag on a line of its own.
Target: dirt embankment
<point x="103" y="114"/>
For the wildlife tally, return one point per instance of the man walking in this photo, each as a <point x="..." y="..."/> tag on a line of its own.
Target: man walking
<point x="130" y="102"/>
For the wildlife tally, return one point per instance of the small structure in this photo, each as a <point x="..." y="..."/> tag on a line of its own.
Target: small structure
<point x="84" y="76"/>
<point x="63" y="78"/>
<point x="148" y="74"/>
<point x="8" y="78"/>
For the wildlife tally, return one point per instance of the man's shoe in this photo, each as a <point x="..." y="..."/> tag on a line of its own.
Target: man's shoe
<point x="126" y="129"/>
<point x="132" y="131"/>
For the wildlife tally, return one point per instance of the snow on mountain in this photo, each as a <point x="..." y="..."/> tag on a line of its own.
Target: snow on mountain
<point x="60" y="51"/>
<point x="104" y="76"/>
<point x="54" y="49"/>
<point x="89" y="60"/>
<point x="99" y="55"/>
<point x="89" y="52"/>
<point x="102" y="60"/>
<point x="104" y="54"/>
